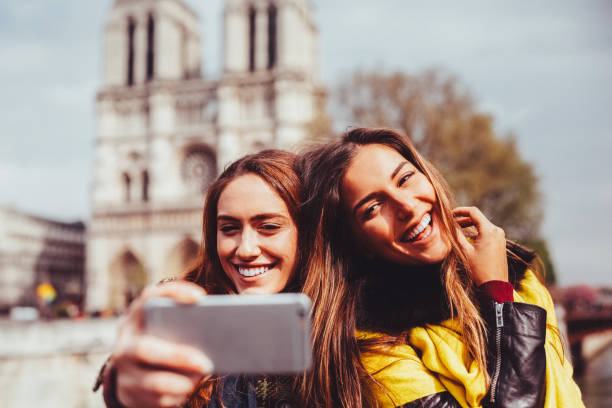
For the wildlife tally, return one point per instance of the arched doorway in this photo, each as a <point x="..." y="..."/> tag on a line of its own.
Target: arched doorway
<point x="181" y="258"/>
<point x="128" y="278"/>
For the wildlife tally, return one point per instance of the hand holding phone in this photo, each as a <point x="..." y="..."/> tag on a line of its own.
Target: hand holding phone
<point x="246" y="334"/>
<point x="149" y="371"/>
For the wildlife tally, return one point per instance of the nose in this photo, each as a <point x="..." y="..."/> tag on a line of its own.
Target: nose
<point x="404" y="206"/>
<point x="248" y="246"/>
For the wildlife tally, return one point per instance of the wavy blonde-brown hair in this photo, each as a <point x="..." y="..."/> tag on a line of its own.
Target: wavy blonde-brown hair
<point x="335" y="247"/>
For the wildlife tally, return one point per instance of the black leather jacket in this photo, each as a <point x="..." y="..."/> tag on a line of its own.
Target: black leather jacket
<point x="516" y="363"/>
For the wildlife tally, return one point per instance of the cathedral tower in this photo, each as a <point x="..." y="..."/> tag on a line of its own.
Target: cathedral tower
<point x="270" y="75"/>
<point x="164" y="131"/>
<point x="155" y="150"/>
<point x="146" y="40"/>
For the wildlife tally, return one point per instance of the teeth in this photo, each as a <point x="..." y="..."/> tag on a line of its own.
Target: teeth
<point x="252" y="271"/>
<point x="426" y="234"/>
<point x="419" y="228"/>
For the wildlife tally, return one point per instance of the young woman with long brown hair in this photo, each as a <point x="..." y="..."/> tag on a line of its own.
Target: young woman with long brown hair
<point x="252" y="243"/>
<point x="431" y="286"/>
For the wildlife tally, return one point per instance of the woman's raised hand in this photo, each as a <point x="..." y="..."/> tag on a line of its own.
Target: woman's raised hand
<point x="151" y="372"/>
<point x="487" y="250"/>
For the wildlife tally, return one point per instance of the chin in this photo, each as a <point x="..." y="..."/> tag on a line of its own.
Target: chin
<point x="439" y="255"/>
<point x="430" y="257"/>
<point x="256" y="290"/>
<point x="250" y="291"/>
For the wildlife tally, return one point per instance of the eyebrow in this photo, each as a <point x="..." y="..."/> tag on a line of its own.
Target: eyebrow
<point x="363" y="201"/>
<point x="372" y="195"/>
<point x="258" y="217"/>
<point x="398" y="168"/>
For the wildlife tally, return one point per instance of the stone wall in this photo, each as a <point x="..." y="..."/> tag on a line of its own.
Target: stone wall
<point x="53" y="364"/>
<point x="34" y="250"/>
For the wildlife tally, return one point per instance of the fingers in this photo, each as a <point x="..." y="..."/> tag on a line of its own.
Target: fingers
<point x="179" y="291"/>
<point x="472" y="216"/>
<point x="139" y="386"/>
<point x="152" y="372"/>
<point x="463" y="241"/>
<point x="152" y="351"/>
<point x="464" y="221"/>
<point x="485" y="249"/>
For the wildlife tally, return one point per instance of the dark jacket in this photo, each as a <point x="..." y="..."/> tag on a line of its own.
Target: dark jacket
<point x="255" y="392"/>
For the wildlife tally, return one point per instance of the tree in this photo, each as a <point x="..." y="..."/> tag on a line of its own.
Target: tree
<point x="440" y="117"/>
<point x="540" y="246"/>
<point x="443" y="122"/>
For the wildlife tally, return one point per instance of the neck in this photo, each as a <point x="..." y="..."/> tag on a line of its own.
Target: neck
<point x="395" y="298"/>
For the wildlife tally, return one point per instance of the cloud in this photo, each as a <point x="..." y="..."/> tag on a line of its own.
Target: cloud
<point x="509" y="116"/>
<point x="77" y="96"/>
<point x="23" y="9"/>
<point x="543" y="69"/>
<point x="22" y="57"/>
<point x="57" y="190"/>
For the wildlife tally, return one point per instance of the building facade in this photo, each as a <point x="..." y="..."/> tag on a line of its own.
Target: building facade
<point x="36" y="250"/>
<point x="164" y="131"/>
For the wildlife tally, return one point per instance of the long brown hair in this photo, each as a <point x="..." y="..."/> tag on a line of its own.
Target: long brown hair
<point x="317" y="387"/>
<point x="277" y="169"/>
<point x="334" y="244"/>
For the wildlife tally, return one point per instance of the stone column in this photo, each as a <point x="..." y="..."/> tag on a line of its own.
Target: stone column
<point x="115" y="53"/>
<point x="236" y="39"/>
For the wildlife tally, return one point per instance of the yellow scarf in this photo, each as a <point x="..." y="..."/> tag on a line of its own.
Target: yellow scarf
<point x="445" y="364"/>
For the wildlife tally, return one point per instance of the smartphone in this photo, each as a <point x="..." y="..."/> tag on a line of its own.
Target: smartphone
<point x="241" y="334"/>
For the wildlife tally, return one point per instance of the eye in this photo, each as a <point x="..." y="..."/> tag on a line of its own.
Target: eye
<point x="371" y="210"/>
<point x="269" y="228"/>
<point x="404" y="178"/>
<point x="228" y="229"/>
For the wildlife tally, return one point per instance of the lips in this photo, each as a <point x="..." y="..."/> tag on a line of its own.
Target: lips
<point x="253" y="270"/>
<point x="413" y="233"/>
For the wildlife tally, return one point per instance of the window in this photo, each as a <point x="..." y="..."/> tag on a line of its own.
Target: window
<point x="272" y="36"/>
<point x="130" y="61"/>
<point x="127" y="183"/>
<point x="184" y="53"/>
<point x="145" y="186"/>
<point x="150" y="48"/>
<point x="199" y="168"/>
<point x="252" y="17"/>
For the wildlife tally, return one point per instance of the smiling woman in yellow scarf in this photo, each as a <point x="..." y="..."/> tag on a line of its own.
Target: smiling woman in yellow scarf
<point x="432" y="287"/>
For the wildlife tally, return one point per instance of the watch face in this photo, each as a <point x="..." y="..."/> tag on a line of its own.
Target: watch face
<point x="199" y="169"/>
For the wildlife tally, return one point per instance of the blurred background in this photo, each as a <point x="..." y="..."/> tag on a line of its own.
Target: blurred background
<point x="117" y="114"/>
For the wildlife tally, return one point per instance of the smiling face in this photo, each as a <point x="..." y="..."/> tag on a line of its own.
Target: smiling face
<point x="256" y="236"/>
<point x="391" y="207"/>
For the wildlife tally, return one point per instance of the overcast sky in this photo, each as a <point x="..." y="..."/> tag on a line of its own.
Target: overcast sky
<point x="543" y="69"/>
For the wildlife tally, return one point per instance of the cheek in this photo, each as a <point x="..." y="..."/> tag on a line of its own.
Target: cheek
<point x="375" y="232"/>
<point x="225" y="248"/>
<point x="291" y="247"/>
<point x="444" y="244"/>
<point x="428" y="190"/>
<point x="371" y="237"/>
<point x="285" y="247"/>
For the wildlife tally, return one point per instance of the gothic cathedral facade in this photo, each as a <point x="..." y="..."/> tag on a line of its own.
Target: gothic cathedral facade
<point x="164" y="131"/>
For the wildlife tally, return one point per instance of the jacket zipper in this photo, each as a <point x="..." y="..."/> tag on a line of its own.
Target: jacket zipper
<point x="499" y="323"/>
